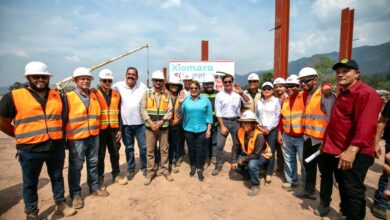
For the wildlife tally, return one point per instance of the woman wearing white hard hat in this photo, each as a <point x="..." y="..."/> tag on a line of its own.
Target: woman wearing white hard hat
<point x="290" y="132"/>
<point x="268" y="115"/>
<point x="280" y="89"/>
<point x="251" y="153"/>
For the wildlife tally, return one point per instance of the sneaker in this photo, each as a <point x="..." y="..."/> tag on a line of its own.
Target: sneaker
<point x="65" y="210"/>
<point x="148" y="180"/>
<point x="305" y="195"/>
<point x="216" y="171"/>
<point x="200" y="175"/>
<point x="378" y="211"/>
<point x="31" y="217"/>
<point x="193" y="170"/>
<point x="253" y="191"/>
<point x="77" y="202"/>
<point x="321" y="210"/>
<point x="120" y="180"/>
<point x="100" y="193"/>
<point x="168" y="177"/>
<point x="130" y="176"/>
<point x="288" y="186"/>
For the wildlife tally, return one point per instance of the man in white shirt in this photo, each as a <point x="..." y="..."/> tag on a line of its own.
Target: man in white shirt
<point x="187" y="79"/>
<point x="227" y="110"/>
<point x="132" y="91"/>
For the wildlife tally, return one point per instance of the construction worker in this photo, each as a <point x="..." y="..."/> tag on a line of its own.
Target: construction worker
<point x="33" y="115"/>
<point x="290" y="132"/>
<point x="228" y="110"/>
<point x="187" y="79"/>
<point x="82" y="132"/>
<point x="316" y="115"/>
<point x="251" y="152"/>
<point x="379" y="207"/>
<point x="348" y="145"/>
<point x="211" y="143"/>
<point x="133" y="127"/>
<point x="110" y="131"/>
<point x="253" y="92"/>
<point x="156" y="110"/>
<point x="175" y="130"/>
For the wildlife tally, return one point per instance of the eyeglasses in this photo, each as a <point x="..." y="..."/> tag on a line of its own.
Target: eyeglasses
<point x="208" y="84"/>
<point x="306" y="81"/>
<point x="194" y="88"/>
<point x="228" y="82"/>
<point x="44" y="77"/>
<point x="267" y="89"/>
<point x="253" y="81"/>
<point x="107" y="80"/>
<point x="290" y="86"/>
<point x="158" y="80"/>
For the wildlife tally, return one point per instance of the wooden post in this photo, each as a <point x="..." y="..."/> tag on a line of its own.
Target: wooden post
<point x="205" y="50"/>
<point x="346" y="33"/>
<point x="282" y="24"/>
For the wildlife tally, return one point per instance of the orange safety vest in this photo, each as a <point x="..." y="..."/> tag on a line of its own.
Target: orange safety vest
<point x="33" y="124"/>
<point x="156" y="111"/>
<point x="82" y="122"/>
<point x="293" y="117"/>
<point x="109" y="114"/>
<point x="315" y="120"/>
<point x="267" y="153"/>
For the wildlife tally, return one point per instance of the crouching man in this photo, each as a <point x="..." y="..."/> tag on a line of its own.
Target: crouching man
<point x="251" y="152"/>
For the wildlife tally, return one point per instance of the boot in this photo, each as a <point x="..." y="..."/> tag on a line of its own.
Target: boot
<point x="120" y="180"/>
<point x="148" y="180"/>
<point x="200" y="175"/>
<point x="253" y="191"/>
<point x="100" y="193"/>
<point x="77" y="202"/>
<point x="168" y="177"/>
<point x="216" y="171"/>
<point x="31" y="217"/>
<point x="65" y="210"/>
<point x="193" y="170"/>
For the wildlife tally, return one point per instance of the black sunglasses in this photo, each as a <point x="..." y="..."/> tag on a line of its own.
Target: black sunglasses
<point x="107" y="80"/>
<point x="227" y="82"/>
<point x="291" y="86"/>
<point x="208" y="84"/>
<point x="306" y="81"/>
<point x="45" y="77"/>
<point x="267" y="89"/>
<point x="194" y="88"/>
<point x="253" y="81"/>
<point x="158" y="80"/>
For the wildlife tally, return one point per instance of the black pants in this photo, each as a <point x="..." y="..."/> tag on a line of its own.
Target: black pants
<point x="310" y="168"/>
<point x="107" y="140"/>
<point x="196" y="148"/>
<point x="351" y="184"/>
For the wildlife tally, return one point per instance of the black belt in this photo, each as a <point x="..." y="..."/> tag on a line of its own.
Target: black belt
<point x="231" y="119"/>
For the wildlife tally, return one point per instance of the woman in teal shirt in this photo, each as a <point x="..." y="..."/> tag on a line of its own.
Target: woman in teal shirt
<point x="197" y="120"/>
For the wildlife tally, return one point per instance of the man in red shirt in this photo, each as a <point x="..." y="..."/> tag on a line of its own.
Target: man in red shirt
<point x="348" y="146"/>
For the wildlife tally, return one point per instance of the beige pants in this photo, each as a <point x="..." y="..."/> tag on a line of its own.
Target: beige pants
<point x="151" y="140"/>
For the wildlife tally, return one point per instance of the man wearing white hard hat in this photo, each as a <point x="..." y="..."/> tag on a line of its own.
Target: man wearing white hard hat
<point x="290" y="132"/>
<point x="110" y="127"/>
<point x="156" y="110"/>
<point x="34" y="117"/>
<point x="318" y="108"/>
<point x="187" y="79"/>
<point x="82" y="132"/>
<point x="175" y="129"/>
<point x="252" y="92"/>
<point x="280" y="89"/>
<point x="251" y="153"/>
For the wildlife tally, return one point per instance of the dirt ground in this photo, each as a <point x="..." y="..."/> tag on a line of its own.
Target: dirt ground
<point x="185" y="198"/>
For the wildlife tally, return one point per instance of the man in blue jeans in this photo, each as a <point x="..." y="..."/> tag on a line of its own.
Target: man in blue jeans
<point x="380" y="205"/>
<point x="131" y="92"/>
<point x="36" y="113"/>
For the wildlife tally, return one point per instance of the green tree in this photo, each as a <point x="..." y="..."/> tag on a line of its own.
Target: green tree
<point x="323" y="65"/>
<point x="267" y="76"/>
<point x="16" y="85"/>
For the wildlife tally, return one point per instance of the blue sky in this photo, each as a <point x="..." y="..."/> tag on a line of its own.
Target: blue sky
<point x="67" y="34"/>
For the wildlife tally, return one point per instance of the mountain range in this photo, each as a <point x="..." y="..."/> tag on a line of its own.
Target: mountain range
<point x="371" y="60"/>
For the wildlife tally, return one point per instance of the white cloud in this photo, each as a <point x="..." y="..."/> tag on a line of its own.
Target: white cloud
<point x="73" y="58"/>
<point x="171" y="3"/>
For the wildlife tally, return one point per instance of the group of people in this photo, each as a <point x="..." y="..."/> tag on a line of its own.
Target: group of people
<point x="270" y="125"/>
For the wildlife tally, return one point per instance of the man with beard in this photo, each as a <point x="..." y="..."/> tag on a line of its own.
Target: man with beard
<point x="37" y="113"/>
<point x="253" y="93"/>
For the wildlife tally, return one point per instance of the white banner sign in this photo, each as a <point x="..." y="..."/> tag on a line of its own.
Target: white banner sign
<point x="198" y="69"/>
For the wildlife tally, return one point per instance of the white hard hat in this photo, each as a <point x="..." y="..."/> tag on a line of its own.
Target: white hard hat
<point x="307" y="71"/>
<point x="106" y="74"/>
<point x="293" y="79"/>
<point x="36" y="68"/>
<point x="248" y="116"/>
<point x="187" y="76"/>
<point x="209" y="78"/>
<point x="267" y="84"/>
<point x="253" y="76"/>
<point x="174" y="80"/>
<point x="82" y="71"/>
<point x="158" y="75"/>
<point x="279" y="80"/>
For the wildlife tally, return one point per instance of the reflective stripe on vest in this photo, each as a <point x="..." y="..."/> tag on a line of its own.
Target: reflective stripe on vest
<point x="156" y="111"/>
<point x="266" y="153"/>
<point x="109" y="114"/>
<point x="292" y="118"/>
<point x="34" y="125"/>
<point x="315" y="120"/>
<point x="82" y="122"/>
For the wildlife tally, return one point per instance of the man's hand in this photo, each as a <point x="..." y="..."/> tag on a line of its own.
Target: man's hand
<point x="233" y="166"/>
<point x="237" y="88"/>
<point x="327" y="90"/>
<point x="118" y="136"/>
<point x="224" y="131"/>
<point x="347" y="158"/>
<point x="265" y="131"/>
<point x="280" y="138"/>
<point x="378" y="150"/>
